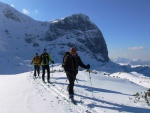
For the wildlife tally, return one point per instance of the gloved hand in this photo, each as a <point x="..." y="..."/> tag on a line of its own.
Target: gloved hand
<point x="31" y="62"/>
<point x="88" y="66"/>
<point x="52" y="62"/>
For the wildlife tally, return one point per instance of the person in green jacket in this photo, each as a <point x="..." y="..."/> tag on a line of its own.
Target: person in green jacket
<point x="44" y="61"/>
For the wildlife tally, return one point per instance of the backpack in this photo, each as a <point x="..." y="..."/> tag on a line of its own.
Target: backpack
<point x="37" y="59"/>
<point x="45" y="58"/>
<point x="66" y="53"/>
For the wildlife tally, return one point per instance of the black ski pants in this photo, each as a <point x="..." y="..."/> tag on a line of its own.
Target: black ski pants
<point x="36" y="69"/>
<point x="45" y="67"/>
<point x="71" y="77"/>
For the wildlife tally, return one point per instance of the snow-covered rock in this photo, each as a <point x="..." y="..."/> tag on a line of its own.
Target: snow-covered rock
<point x="22" y="36"/>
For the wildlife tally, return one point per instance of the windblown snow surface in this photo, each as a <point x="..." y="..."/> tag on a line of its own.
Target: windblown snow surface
<point x="95" y="92"/>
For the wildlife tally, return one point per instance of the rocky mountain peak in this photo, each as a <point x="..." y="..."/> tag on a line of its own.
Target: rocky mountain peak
<point x="86" y="35"/>
<point x="22" y="36"/>
<point x="74" y="22"/>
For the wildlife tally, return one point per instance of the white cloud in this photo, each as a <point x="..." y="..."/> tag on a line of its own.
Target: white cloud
<point x="136" y="48"/>
<point x="36" y="11"/>
<point x="25" y="11"/>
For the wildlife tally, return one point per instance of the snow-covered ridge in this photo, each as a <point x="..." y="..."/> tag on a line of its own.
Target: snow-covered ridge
<point x="12" y="14"/>
<point x="22" y="36"/>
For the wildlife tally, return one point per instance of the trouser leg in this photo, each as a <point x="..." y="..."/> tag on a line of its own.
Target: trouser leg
<point x="38" y="70"/>
<point x="71" y="78"/>
<point x="35" y="70"/>
<point x="48" y="73"/>
<point x="71" y="85"/>
<point x="43" y="72"/>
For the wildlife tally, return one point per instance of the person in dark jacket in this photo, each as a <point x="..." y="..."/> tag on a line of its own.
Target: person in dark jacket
<point x="71" y="63"/>
<point x="44" y="61"/>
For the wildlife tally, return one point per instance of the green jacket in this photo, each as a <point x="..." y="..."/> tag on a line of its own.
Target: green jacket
<point x="45" y="58"/>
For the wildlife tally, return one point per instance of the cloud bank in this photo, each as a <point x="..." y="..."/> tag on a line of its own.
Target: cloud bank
<point x="136" y="48"/>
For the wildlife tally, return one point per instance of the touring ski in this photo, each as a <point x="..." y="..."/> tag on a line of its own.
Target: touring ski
<point x="73" y="101"/>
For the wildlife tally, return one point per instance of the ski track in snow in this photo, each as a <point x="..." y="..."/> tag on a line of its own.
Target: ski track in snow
<point x="112" y="95"/>
<point x="62" y="95"/>
<point x="86" y="102"/>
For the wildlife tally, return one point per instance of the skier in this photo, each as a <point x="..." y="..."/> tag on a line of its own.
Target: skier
<point x="36" y="61"/>
<point x="44" y="61"/>
<point x="71" y="63"/>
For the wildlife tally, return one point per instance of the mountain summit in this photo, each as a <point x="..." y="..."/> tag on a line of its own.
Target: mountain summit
<point x="22" y="36"/>
<point x="81" y="33"/>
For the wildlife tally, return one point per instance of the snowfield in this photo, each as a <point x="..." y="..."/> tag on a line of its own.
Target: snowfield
<point x="103" y="93"/>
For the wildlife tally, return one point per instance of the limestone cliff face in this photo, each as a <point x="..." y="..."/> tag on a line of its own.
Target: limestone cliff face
<point x="20" y="35"/>
<point x="86" y="35"/>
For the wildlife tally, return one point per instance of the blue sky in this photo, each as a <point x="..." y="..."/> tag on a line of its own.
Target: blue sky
<point x="125" y="24"/>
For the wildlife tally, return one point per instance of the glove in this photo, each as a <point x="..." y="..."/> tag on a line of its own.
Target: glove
<point x="52" y="62"/>
<point x="88" y="66"/>
<point x="31" y="62"/>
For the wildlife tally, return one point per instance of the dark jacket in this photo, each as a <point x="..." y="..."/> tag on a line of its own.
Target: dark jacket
<point x="45" y="58"/>
<point x="71" y="63"/>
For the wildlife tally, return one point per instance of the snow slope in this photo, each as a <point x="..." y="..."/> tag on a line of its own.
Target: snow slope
<point x="110" y="93"/>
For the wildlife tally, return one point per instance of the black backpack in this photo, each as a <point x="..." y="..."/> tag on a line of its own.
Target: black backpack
<point x="66" y="53"/>
<point x="45" y="58"/>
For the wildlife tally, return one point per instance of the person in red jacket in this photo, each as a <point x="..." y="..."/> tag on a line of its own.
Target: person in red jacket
<point x="71" y="63"/>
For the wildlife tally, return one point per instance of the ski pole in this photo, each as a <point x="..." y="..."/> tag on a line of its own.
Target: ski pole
<point x="31" y="71"/>
<point x="52" y="69"/>
<point x="91" y="82"/>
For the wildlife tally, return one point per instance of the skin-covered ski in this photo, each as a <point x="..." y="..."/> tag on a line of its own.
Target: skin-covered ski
<point x="73" y="101"/>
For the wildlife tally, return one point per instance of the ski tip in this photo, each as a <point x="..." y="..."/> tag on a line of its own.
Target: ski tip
<point x="73" y="101"/>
